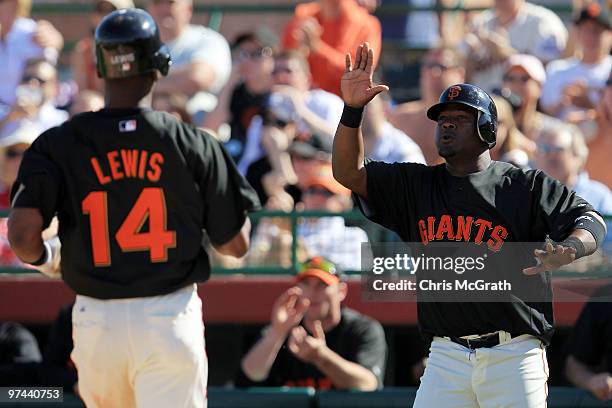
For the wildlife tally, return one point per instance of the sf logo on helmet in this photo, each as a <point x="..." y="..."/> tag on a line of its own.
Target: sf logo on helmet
<point x="454" y="92"/>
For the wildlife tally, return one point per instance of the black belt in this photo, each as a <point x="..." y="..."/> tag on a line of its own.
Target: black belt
<point x="489" y="341"/>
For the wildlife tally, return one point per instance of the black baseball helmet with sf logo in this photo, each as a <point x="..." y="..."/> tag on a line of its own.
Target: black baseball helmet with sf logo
<point x="128" y="44"/>
<point x="474" y="97"/>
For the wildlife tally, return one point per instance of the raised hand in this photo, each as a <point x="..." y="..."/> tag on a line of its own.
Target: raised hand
<point x="356" y="84"/>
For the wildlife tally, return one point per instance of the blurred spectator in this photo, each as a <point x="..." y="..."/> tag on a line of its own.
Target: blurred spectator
<point x="510" y="27"/>
<point x="509" y="137"/>
<point x="313" y="341"/>
<point x="294" y="110"/>
<point x="326" y="236"/>
<point x="173" y="103"/>
<point x="524" y="76"/>
<point x="19" y="356"/>
<point x="201" y="58"/>
<point x="82" y="60"/>
<point x="441" y="68"/>
<point x="325" y="30"/>
<point x="12" y="147"/>
<point x="573" y="86"/>
<point x="22" y="39"/>
<point x="598" y="164"/>
<point x="57" y="368"/>
<point x="248" y="89"/>
<point x="415" y="29"/>
<point x="382" y="141"/>
<point x="589" y="363"/>
<point x="562" y="154"/>
<point x="87" y="101"/>
<point x="35" y="95"/>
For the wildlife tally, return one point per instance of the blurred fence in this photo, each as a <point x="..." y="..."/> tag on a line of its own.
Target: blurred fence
<point x="281" y="241"/>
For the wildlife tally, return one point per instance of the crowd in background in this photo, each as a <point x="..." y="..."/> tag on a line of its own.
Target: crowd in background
<point x="273" y="99"/>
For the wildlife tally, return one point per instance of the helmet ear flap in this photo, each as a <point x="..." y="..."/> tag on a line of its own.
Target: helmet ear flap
<point x="486" y="128"/>
<point x="161" y="60"/>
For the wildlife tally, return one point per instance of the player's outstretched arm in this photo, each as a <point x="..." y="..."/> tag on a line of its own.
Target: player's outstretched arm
<point x="357" y="90"/>
<point x="583" y="241"/>
<point x="25" y="226"/>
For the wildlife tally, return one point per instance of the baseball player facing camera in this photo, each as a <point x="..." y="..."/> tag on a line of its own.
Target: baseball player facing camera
<point x="482" y="354"/>
<point x="133" y="190"/>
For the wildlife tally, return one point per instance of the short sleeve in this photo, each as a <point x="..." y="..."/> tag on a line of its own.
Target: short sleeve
<point x="557" y="208"/>
<point x="390" y="192"/>
<point x="39" y="179"/>
<point x="371" y="350"/>
<point x="226" y="193"/>
<point x="552" y="39"/>
<point x="214" y="50"/>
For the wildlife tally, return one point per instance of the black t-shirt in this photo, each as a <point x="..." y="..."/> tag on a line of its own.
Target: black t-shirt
<point x="356" y="338"/>
<point x="133" y="190"/>
<point x="591" y="340"/>
<point x="499" y="204"/>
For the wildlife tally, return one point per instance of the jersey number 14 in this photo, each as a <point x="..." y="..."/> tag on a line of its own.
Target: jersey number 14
<point x="150" y="205"/>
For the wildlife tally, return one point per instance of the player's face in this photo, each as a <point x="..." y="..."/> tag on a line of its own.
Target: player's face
<point x="456" y="132"/>
<point x="324" y="299"/>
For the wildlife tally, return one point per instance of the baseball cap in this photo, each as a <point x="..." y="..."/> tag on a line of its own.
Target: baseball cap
<point x="321" y="268"/>
<point x="315" y="146"/>
<point x="323" y="176"/>
<point x="530" y="64"/>
<point x="594" y="12"/>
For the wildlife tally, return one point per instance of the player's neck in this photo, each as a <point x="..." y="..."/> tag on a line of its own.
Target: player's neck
<point x="462" y="168"/>
<point x="120" y="100"/>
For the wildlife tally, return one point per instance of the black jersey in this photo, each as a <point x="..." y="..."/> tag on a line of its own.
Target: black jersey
<point x="499" y="204"/>
<point x="133" y="190"/>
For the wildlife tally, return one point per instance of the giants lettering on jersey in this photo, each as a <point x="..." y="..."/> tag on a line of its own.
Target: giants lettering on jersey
<point x="462" y="228"/>
<point x="131" y="163"/>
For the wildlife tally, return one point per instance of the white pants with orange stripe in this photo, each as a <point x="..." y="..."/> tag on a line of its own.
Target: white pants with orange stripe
<point x="512" y="374"/>
<point x="141" y="352"/>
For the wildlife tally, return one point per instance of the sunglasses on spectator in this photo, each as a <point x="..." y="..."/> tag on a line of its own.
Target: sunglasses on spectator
<point x="319" y="191"/>
<point x="13" y="153"/>
<point x="257" y="54"/>
<point x="517" y="78"/>
<point x="282" y="70"/>
<point x="441" y="67"/>
<point x="548" y="148"/>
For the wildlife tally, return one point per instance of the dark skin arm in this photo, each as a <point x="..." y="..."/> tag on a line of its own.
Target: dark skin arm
<point x="553" y="257"/>
<point x="357" y="91"/>
<point x="25" y="226"/>
<point x="239" y="244"/>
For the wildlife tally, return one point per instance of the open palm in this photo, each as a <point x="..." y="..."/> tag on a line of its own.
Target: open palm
<point x="356" y="84"/>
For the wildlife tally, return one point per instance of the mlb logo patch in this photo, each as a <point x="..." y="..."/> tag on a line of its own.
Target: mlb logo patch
<point x="127" y="125"/>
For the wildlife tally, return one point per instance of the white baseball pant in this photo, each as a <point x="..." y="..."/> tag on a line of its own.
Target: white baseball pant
<point x="141" y="352"/>
<point x="509" y="375"/>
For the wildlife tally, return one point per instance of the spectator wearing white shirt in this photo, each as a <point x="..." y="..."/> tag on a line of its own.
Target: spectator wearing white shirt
<point x="201" y="57"/>
<point x="35" y="95"/>
<point x="511" y="27"/>
<point x="384" y="142"/>
<point x="21" y="39"/>
<point x="573" y="86"/>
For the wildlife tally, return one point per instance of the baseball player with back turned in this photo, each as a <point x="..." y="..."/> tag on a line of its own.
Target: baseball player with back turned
<point x="482" y="354"/>
<point x="133" y="190"/>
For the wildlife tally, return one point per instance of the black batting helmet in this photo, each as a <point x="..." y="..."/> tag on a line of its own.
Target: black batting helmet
<point x="474" y="97"/>
<point x="128" y="44"/>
